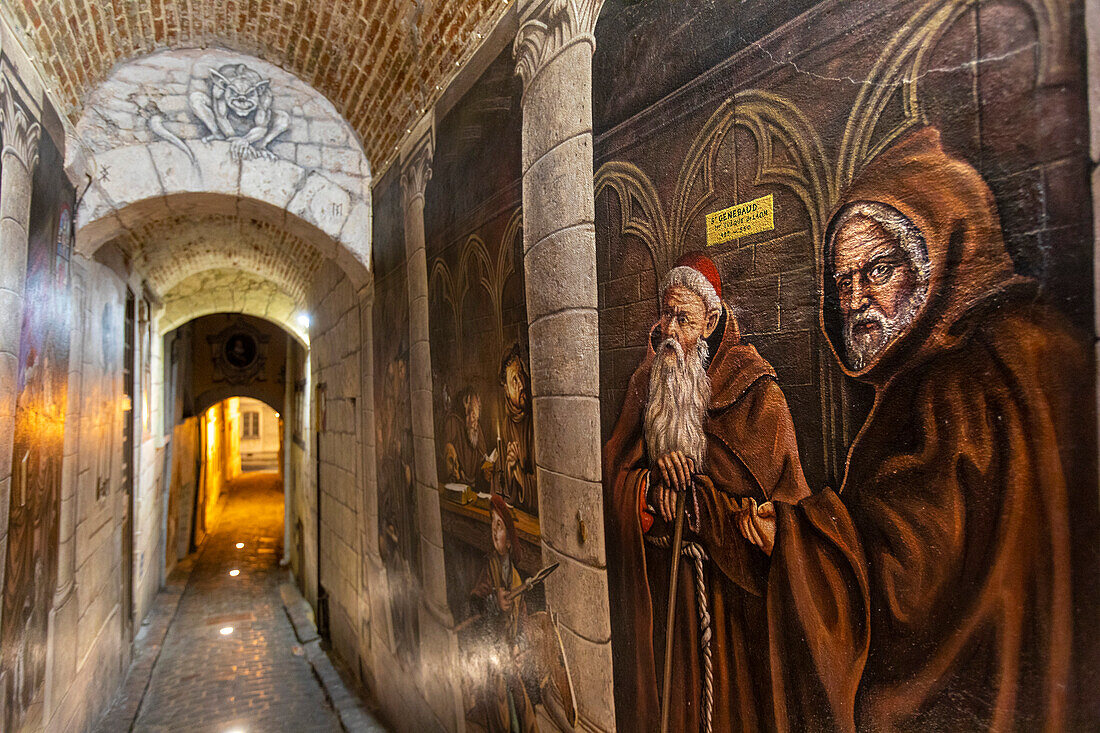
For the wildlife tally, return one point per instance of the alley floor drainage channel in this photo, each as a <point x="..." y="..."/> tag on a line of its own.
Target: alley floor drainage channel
<point x="235" y="654"/>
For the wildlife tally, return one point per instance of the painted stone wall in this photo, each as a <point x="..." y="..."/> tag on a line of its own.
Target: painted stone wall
<point x="398" y="524"/>
<point x="61" y="414"/>
<point x="700" y="108"/>
<point x="482" y="399"/>
<point x="42" y="378"/>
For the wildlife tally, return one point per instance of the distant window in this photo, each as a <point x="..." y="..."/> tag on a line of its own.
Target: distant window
<point x="250" y="425"/>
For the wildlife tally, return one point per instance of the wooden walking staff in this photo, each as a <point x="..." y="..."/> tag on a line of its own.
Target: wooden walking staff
<point x="677" y="541"/>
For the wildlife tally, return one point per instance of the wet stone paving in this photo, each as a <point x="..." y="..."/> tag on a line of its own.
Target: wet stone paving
<point x="230" y="662"/>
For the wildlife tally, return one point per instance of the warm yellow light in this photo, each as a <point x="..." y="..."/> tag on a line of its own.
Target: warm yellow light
<point x="240" y="545"/>
<point x="225" y="630"/>
<point x="234" y="573"/>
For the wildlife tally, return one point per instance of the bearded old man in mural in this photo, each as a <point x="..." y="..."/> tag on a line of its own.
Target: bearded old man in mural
<point x="950" y="584"/>
<point x="465" y="452"/>
<point x="703" y="417"/>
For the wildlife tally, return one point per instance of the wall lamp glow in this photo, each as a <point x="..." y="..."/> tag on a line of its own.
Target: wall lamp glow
<point x="234" y="573"/>
<point x="240" y="545"/>
<point x="225" y="630"/>
<point x="303" y="320"/>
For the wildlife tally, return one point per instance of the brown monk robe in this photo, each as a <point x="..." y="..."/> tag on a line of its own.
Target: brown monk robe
<point x="751" y="451"/>
<point x="951" y="583"/>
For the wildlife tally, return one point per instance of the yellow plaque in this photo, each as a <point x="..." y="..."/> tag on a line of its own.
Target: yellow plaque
<point x="741" y="220"/>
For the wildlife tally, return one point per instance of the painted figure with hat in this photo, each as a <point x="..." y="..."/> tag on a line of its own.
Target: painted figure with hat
<point x="501" y="615"/>
<point x="704" y="425"/>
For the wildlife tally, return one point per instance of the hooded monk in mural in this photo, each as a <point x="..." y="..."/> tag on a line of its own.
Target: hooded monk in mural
<point x="703" y="417"/>
<point x="950" y="584"/>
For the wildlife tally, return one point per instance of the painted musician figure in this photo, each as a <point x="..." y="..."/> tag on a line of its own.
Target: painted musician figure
<point x="505" y="701"/>
<point x="704" y="418"/>
<point x="465" y="453"/>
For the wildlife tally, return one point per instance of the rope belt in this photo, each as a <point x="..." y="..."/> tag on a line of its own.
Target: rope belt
<point x="698" y="555"/>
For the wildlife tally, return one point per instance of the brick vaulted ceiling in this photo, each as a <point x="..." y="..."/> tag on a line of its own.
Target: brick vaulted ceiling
<point x="380" y="62"/>
<point x="170" y="250"/>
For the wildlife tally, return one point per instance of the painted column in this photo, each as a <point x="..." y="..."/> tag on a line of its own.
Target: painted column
<point x="370" y="568"/>
<point x="290" y="406"/>
<point x="18" y="159"/>
<point x="438" y="641"/>
<point x="61" y="642"/>
<point x="553" y="50"/>
<point x="66" y="557"/>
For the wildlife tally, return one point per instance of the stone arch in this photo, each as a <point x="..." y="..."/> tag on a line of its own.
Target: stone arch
<point x="230" y="291"/>
<point x="146" y="152"/>
<point x="211" y="397"/>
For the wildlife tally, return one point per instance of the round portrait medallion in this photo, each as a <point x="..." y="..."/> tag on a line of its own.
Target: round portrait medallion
<point x="240" y="350"/>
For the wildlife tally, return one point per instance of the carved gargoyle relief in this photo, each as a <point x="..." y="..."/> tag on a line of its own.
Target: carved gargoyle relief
<point x="238" y="107"/>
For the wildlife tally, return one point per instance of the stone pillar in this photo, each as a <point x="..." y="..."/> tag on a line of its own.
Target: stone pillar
<point x="438" y="641"/>
<point x="553" y="51"/>
<point x="61" y="640"/>
<point x="290" y="407"/>
<point x="18" y="160"/>
<point x="367" y="494"/>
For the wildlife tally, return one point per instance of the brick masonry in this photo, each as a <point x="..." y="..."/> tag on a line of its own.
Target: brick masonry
<point x="382" y="63"/>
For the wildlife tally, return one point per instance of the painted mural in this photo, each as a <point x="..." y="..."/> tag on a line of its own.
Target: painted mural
<point x="483" y="411"/>
<point x="42" y="397"/>
<point x="101" y="384"/>
<point x="848" y="397"/>
<point x="398" y="529"/>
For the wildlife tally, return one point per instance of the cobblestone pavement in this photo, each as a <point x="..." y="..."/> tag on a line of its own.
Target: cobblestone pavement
<point x="250" y="680"/>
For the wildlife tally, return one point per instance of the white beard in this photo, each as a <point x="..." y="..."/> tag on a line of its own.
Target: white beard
<point x="861" y="349"/>
<point x="679" y="394"/>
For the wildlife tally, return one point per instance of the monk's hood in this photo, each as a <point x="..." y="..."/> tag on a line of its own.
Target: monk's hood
<point x="955" y="211"/>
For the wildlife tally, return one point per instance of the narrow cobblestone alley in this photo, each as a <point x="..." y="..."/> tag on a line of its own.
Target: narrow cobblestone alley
<point x="230" y="661"/>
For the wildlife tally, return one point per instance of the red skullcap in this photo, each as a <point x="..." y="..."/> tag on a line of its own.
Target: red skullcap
<point x="701" y="263"/>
